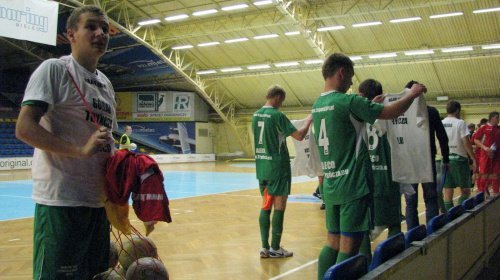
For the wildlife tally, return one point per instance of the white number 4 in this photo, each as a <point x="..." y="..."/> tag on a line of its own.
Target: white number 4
<point x="323" y="138"/>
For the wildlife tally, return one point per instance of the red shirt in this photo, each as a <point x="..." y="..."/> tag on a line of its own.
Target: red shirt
<point x="488" y="135"/>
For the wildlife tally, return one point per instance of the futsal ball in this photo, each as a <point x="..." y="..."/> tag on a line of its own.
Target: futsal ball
<point x="113" y="254"/>
<point x="138" y="247"/>
<point x="111" y="274"/>
<point x="147" y="269"/>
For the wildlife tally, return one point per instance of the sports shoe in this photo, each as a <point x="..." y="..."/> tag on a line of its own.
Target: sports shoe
<point x="376" y="232"/>
<point x="281" y="253"/>
<point x="317" y="194"/>
<point x="322" y="207"/>
<point x="264" y="253"/>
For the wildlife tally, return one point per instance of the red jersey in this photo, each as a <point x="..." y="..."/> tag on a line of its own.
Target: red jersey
<point x="488" y="135"/>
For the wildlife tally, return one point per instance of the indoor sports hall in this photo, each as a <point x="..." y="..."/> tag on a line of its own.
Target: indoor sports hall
<point x="188" y="76"/>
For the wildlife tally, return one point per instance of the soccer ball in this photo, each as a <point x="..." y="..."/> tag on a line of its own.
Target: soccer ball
<point x="147" y="269"/>
<point x="136" y="248"/>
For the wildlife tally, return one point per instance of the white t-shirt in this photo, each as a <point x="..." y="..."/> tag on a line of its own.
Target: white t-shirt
<point x="409" y="138"/>
<point x="61" y="180"/>
<point x="306" y="161"/>
<point x="456" y="129"/>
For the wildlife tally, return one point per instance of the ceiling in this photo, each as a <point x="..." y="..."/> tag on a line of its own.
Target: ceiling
<point x="472" y="77"/>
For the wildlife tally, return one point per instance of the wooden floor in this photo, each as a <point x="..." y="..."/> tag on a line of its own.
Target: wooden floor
<point x="211" y="237"/>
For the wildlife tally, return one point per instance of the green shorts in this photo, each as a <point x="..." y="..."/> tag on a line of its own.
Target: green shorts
<point x="387" y="210"/>
<point x="352" y="217"/>
<point x="70" y="242"/>
<point x="459" y="173"/>
<point x="280" y="187"/>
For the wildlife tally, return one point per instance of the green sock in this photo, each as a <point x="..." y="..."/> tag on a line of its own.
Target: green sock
<point x="265" y="224"/>
<point x="278" y="216"/>
<point x="448" y="205"/>
<point x="320" y="187"/>
<point x="366" y="247"/>
<point x="462" y="198"/>
<point x="394" y="229"/>
<point x="327" y="258"/>
<point x="343" y="256"/>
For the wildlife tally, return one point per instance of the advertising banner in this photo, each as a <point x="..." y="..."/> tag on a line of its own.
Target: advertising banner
<point x="31" y="20"/>
<point x="156" y="106"/>
<point x="168" y="137"/>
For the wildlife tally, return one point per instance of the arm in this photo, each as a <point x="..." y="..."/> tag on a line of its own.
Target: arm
<point x="468" y="148"/>
<point x="488" y="150"/>
<point x="300" y="133"/>
<point x="397" y="108"/>
<point x="29" y="130"/>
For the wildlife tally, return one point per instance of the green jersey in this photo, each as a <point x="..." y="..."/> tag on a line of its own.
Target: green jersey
<point x="380" y="156"/>
<point x="340" y="134"/>
<point x="271" y="127"/>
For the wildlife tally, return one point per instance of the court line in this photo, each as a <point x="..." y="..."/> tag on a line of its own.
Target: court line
<point x="294" y="270"/>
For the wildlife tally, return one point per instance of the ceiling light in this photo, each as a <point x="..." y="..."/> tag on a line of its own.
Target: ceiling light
<point x="182" y="47"/>
<point x="266" y="36"/>
<point x="231" y="69"/>
<point x="313" y="61"/>
<point x="264" y="2"/>
<point x="447" y="15"/>
<point x="176" y="17"/>
<point x="208" y="44"/>
<point x="151" y="21"/>
<point x="383" y="55"/>
<point x="285" y="64"/>
<point x="234" y="7"/>
<point x="442" y="98"/>
<point x="205" y="12"/>
<point x="419" y="52"/>
<point x="496" y="9"/>
<point x="404" y="19"/>
<point x="236" y="40"/>
<point x="458" y="49"/>
<point x="206" y="72"/>
<point x="367" y="24"/>
<point x="489" y="47"/>
<point x="355" y="57"/>
<point x="291" y="33"/>
<point x="261" y="66"/>
<point x="327" y="28"/>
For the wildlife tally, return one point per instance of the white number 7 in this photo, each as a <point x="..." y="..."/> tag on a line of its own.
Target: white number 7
<point x="261" y="125"/>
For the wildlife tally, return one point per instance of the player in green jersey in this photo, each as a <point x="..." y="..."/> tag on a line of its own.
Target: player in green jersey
<point x="348" y="184"/>
<point x="271" y="127"/>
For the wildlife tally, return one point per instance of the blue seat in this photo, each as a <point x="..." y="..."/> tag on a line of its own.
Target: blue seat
<point x="415" y="234"/>
<point x="479" y="198"/>
<point x="387" y="249"/>
<point x="468" y="204"/>
<point x="454" y="212"/>
<point x="352" y="268"/>
<point x="436" y="223"/>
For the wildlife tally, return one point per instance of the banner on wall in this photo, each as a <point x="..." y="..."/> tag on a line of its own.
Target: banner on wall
<point x="169" y="137"/>
<point x="155" y="106"/>
<point x="31" y="20"/>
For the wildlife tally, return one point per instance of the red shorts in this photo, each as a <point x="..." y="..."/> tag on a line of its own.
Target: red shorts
<point x="489" y="165"/>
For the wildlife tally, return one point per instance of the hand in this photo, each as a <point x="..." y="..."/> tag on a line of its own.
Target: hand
<point x="378" y="98"/>
<point x="309" y="118"/>
<point x="417" y="90"/>
<point x="97" y="140"/>
<point x="488" y="151"/>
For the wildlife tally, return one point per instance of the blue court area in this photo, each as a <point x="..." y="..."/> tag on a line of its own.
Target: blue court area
<point x="16" y="202"/>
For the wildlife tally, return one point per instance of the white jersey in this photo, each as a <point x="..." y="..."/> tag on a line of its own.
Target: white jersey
<point x="62" y="180"/>
<point x="306" y="161"/>
<point x="409" y="138"/>
<point x="456" y="129"/>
